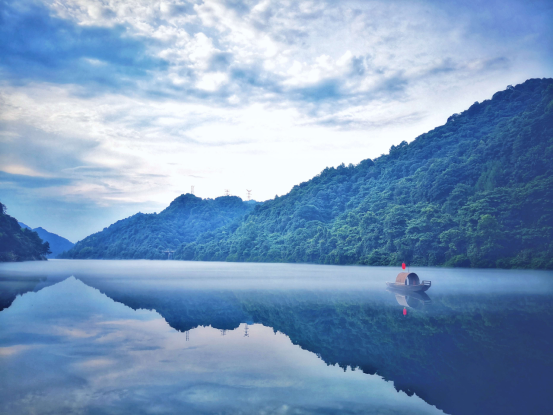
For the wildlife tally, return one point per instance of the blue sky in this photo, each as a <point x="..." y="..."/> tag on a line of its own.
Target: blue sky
<point x="111" y="107"/>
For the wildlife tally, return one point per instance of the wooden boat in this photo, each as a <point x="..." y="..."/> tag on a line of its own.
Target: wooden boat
<point x="408" y="282"/>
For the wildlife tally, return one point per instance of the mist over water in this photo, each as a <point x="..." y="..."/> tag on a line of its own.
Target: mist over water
<point x="195" y="337"/>
<point x="265" y="276"/>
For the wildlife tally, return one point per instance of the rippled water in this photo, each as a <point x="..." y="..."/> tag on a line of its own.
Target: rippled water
<point x="191" y="337"/>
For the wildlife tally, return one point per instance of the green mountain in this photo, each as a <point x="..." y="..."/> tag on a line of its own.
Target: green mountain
<point x="147" y="236"/>
<point x="58" y="244"/>
<point x="477" y="191"/>
<point x="17" y="243"/>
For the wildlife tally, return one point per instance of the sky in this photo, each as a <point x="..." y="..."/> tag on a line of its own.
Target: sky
<point x="108" y="108"/>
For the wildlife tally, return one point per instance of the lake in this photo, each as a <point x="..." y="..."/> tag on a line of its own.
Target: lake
<point x="159" y="337"/>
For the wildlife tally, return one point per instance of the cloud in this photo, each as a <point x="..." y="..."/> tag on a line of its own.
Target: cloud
<point x="350" y="121"/>
<point x="324" y="90"/>
<point x="220" y="61"/>
<point x="253" y="51"/>
<point x="38" y="46"/>
<point x="31" y="182"/>
<point x="126" y="104"/>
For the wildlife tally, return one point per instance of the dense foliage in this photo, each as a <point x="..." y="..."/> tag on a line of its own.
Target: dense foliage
<point x="58" y="244"/>
<point x="477" y="191"/>
<point x="147" y="236"/>
<point x="19" y="244"/>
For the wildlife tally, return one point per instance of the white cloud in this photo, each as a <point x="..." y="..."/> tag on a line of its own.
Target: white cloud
<point x="261" y="97"/>
<point x="212" y="81"/>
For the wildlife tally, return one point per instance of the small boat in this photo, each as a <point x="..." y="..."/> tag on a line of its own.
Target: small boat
<point x="408" y="282"/>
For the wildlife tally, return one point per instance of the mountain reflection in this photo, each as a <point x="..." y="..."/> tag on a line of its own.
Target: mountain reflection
<point x="12" y="286"/>
<point x="481" y="351"/>
<point x="70" y="349"/>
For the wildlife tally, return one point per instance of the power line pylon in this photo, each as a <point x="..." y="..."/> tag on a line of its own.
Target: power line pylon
<point x="246" y="334"/>
<point x="192" y="190"/>
<point x="227" y="193"/>
<point x="249" y="194"/>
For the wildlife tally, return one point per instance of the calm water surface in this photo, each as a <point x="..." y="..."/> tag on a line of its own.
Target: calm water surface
<point x="157" y="337"/>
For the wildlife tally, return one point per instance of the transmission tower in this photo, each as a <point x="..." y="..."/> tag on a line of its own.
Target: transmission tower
<point x="249" y="194"/>
<point x="227" y="193"/>
<point x="187" y="335"/>
<point x="192" y="190"/>
<point x="246" y="334"/>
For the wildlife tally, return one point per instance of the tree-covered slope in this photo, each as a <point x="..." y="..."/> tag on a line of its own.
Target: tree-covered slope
<point x="58" y="244"/>
<point x="147" y="236"/>
<point x="17" y="243"/>
<point x="477" y="191"/>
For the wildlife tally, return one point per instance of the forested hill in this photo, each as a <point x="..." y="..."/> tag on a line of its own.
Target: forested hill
<point x="19" y="244"/>
<point x="477" y="191"/>
<point x="58" y="244"/>
<point x="147" y="236"/>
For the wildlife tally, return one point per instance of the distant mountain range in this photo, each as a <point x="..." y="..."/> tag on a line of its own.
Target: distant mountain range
<point x="474" y="192"/>
<point x="57" y="243"/>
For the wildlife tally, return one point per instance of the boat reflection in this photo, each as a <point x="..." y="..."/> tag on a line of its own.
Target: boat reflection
<point x="411" y="300"/>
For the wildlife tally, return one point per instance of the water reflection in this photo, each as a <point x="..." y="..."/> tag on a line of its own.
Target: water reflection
<point x="70" y="349"/>
<point x="412" y="300"/>
<point x="12" y="286"/>
<point x="483" y="346"/>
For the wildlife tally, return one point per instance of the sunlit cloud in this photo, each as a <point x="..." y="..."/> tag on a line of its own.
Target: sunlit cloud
<point x="129" y="103"/>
